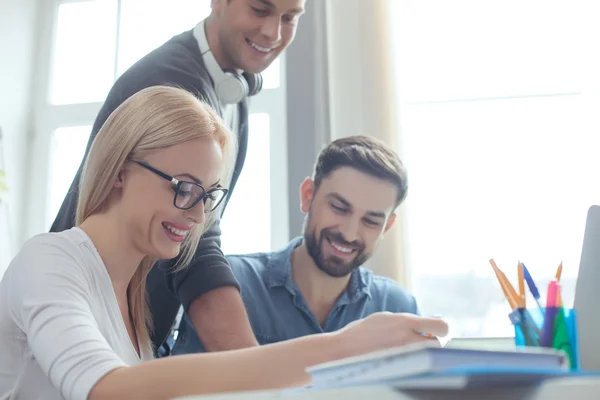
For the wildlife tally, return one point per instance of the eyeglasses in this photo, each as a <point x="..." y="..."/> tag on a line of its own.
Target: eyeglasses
<point x="188" y="194"/>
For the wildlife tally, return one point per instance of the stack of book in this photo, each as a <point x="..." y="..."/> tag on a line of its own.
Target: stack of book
<point x="427" y="365"/>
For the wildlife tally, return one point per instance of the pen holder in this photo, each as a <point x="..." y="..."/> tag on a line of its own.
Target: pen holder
<point x="553" y="327"/>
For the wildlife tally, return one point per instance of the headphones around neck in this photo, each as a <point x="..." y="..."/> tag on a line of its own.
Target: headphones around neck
<point x="231" y="87"/>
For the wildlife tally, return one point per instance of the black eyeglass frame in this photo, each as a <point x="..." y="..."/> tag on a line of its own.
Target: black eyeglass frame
<point x="178" y="184"/>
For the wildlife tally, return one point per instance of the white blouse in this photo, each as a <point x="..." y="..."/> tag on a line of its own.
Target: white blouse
<point x="61" y="329"/>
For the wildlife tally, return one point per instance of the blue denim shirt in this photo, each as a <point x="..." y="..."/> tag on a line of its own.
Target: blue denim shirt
<point x="278" y="311"/>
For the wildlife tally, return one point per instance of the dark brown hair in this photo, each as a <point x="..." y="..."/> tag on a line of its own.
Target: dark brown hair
<point x="366" y="154"/>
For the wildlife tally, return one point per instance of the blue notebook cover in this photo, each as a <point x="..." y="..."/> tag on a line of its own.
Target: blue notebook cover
<point x="467" y="377"/>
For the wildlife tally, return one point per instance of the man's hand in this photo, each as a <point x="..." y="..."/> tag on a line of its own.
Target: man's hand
<point x="221" y="320"/>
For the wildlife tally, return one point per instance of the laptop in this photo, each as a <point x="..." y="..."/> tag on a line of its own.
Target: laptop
<point x="587" y="293"/>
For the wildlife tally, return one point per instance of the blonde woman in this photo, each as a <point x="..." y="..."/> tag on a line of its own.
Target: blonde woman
<point x="73" y="318"/>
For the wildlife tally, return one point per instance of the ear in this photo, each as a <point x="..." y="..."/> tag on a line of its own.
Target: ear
<point x="120" y="181"/>
<point x="389" y="223"/>
<point x="306" y="194"/>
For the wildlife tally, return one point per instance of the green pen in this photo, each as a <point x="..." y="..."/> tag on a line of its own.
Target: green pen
<point x="561" y="340"/>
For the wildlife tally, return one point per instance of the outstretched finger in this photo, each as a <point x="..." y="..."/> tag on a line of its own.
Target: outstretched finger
<point x="432" y="326"/>
<point x="419" y="338"/>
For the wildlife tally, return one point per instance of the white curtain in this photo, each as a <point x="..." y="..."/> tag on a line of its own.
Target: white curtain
<point x="363" y="95"/>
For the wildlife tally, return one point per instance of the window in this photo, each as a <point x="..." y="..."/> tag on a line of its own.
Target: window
<point x="86" y="45"/>
<point x="247" y="221"/>
<point x="500" y="132"/>
<point x="84" y="52"/>
<point x="67" y="150"/>
<point x="162" y="20"/>
<point x="271" y="76"/>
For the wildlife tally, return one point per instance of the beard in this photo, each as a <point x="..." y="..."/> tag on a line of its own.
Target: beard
<point x="332" y="265"/>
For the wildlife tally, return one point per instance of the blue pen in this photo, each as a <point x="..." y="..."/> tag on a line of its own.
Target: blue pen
<point x="531" y="284"/>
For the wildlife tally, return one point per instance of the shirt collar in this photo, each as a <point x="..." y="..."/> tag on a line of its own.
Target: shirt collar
<point x="279" y="273"/>
<point x="279" y="267"/>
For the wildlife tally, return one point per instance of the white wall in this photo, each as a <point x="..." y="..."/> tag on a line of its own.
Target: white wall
<point x="17" y="50"/>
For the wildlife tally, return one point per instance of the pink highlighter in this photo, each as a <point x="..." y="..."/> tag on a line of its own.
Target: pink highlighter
<point x="552" y="305"/>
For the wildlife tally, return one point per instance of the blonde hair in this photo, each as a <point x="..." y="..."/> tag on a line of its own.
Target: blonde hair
<point x="151" y="119"/>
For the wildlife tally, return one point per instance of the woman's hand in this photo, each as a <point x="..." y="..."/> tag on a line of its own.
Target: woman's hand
<point x="384" y="330"/>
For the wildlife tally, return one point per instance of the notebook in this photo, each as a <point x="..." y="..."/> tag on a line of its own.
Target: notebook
<point x="420" y="359"/>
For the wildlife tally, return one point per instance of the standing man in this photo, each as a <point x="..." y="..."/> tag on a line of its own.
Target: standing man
<point x="219" y="61"/>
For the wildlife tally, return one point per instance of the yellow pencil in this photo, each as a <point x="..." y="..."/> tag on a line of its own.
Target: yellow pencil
<point x="523" y="302"/>
<point x="509" y="291"/>
<point x="557" y="276"/>
<point x="559" y="272"/>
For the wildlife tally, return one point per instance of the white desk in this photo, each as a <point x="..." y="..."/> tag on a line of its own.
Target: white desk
<point x="559" y="389"/>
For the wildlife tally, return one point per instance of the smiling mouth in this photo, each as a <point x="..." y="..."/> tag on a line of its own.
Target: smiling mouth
<point x="175" y="234"/>
<point x="256" y="47"/>
<point x="344" y="250"/>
